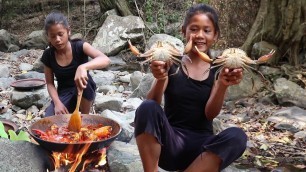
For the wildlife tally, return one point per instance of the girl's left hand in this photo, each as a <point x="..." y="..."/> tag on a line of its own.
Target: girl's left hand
<point x="230" y="76"/>
<point x="81" y="77"/>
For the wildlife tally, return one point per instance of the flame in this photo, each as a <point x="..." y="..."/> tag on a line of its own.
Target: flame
<point x="74" y="160"/>
<point x="102" y="160"/>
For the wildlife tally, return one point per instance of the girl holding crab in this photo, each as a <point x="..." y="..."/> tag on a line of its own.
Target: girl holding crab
<point x="180" y="135"/>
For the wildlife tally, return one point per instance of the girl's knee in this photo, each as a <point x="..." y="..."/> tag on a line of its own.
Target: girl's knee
<point x="237" y="137"/>
<point x="147" y="107"/>
<point x="148" y="115"/>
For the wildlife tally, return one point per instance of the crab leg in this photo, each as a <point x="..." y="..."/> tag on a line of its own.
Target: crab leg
<point x="203" y="56"/>
<point x="175" y="53"/>
<point x="147" y="54"/>
<point x="178" y="68"/>
<point x="143" y="62"/>
<point x="134" y="50"/>
<point x="188" y="46"/>
<point x="266" y="57"/>
<point x="248" y="61"/>
<point x="219" y="60"/>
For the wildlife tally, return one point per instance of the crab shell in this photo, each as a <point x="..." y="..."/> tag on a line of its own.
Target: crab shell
<point x="160" y="51"/>
<point x="163" y="51"/>
<point x="234" y="58"/>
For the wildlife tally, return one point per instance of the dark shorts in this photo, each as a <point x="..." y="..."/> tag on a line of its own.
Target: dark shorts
<point x="68" y="97"/>
<point x="180" y="147"/>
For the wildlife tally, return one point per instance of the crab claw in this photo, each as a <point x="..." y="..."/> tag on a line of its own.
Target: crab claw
<point x="134" y="50"/>
<point x="39" y="132"/>
<point x="266" y="57"/>
<point x="203" y="56"/>
<point x="188" y="46"/>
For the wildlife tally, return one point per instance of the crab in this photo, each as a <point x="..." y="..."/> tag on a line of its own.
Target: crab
<point x="235" y="58"/>
<point x="160" y="51"/>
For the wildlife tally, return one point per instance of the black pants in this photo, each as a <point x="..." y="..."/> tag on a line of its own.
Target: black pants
<point x="68" y="97"/>
<point x="180" y="147"/>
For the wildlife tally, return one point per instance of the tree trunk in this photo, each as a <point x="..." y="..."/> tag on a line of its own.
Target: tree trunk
<point x="282" y="23"/>
<point x="120" y="5"/>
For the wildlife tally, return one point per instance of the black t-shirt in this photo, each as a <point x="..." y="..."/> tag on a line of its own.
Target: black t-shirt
<point x="65" y="74"/>
<point x="185" y="101"/>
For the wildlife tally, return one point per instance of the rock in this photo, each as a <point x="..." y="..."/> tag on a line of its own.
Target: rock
<point x="104" y="102"/>
<point x="124" y="157"/>
<point x="289" y="93"/>
<point x="4" y="71"/>
<point x="7" y="41"/>
<point x="113" y="34"/>
<point x="177" y="43"/>
<point x="292" y="119"/>
<point x="143" y="87"/>
<point x="30" y="74"/>
<point x="245" y="88"/>
<point x="22" y="156"/>
<point x="25" y="67"/>
<point x="36" y="40"/>
<point x="135" y="79"/>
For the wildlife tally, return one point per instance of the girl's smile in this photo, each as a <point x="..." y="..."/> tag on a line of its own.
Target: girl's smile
<point x="202" y="32"/>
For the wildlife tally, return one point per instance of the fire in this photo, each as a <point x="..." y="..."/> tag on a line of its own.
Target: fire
<point x="72" y="161"/>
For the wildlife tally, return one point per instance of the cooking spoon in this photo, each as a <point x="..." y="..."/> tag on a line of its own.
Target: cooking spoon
<point x="75" y="121"/>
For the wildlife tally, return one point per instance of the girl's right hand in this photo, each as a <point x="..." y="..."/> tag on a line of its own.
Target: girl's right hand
<point x="60" y="109"/>
<point x="160" y="69"/>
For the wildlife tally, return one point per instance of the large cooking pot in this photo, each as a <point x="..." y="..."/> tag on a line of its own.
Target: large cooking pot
<point x="62" y="120"/>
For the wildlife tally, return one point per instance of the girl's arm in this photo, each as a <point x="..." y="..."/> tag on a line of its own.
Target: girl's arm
<point x="226" y="78"/>
<point x="160" y="72"/>
<point x="59" y="106"/>
<point x="99" y="61"/>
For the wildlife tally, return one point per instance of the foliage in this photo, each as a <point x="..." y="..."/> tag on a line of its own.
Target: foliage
<point x="22" y="135"/>
<point x="159" y="14"/>
<point x="203" y="1"/>
<point x="3" y="134"/>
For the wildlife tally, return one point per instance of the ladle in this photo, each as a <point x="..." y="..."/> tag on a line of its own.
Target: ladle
<point x="75" y="121"/>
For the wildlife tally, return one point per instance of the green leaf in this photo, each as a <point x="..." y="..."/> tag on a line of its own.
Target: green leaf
<point x="21" y="136"/>
<point x="13" y="135"/>
<point x="2" y="131"/>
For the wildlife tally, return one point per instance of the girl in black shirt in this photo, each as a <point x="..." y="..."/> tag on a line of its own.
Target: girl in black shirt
<point x="180" y="137"/>
<point x="67" y="60"/>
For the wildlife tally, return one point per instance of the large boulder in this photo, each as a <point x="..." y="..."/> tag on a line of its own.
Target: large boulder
<point x="36" y="40"/>
<point x="115" y="31"/>
<point x="8" y="42"/>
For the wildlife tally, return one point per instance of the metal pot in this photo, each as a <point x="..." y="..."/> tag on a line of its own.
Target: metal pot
<point x="62" y="120"/>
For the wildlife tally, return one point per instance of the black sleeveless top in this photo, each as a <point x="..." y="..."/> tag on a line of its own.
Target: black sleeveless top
<point x="65" y="75"/>
<point x="185" y="101"/>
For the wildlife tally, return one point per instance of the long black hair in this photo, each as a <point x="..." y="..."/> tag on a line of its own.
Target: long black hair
<point x="55" y="17"/>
